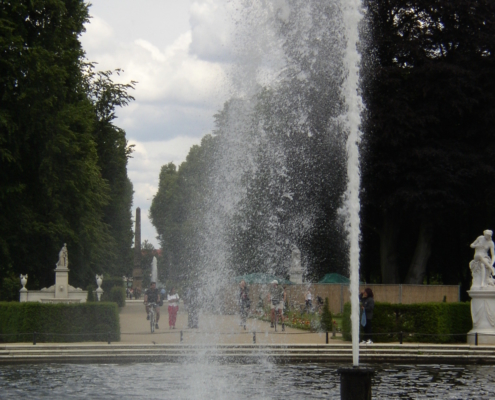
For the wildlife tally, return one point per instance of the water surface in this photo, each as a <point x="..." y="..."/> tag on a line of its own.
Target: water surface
<point x="204" y="380"/>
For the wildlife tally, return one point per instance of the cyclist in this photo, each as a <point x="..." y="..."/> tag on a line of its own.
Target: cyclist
<point x="277" y="299"/>
<point x="152" y="295"/>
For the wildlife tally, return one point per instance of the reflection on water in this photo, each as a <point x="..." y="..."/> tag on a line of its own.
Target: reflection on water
<point x="262" y="380"/>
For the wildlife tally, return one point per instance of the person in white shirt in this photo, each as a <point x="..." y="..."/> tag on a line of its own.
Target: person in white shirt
<point x="173" y="307"/>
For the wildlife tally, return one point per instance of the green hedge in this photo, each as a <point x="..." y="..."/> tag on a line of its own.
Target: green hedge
<point x="113" y="290"/>
<point x="110" y="282"/>
<point x="117" y="295"/>
<point x="59" y="322"/>
<point x="91" y="293"/>
<point x="425" y="322"/>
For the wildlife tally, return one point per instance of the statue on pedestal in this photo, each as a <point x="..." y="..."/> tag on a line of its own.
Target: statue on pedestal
<point x="63" y="257"/>
<point x="482" y="264"/>
<point x="296" y="270"/>
<point x="482" y="291"/>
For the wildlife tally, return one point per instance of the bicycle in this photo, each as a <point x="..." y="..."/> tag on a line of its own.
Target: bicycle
<point x="152" y="315"/>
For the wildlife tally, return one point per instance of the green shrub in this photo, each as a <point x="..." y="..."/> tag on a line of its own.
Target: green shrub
<point x="117" y="295"/>
<point x="91" y="293"/>
<point x="346" y="323"/>
<point x="425" y="322"/>
<point x="59" y="322"/>
<point x="326" y="317"/>
<point x="110" y="282"/>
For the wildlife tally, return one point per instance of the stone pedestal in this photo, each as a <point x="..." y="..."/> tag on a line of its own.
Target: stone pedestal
<point x="483" y="314"/>
<point x="23" y="295"/>
<point x="61" y="283"/>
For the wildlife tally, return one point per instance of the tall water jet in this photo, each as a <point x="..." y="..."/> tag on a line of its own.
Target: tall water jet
<point x="352" y="17"/>
<point x="277" y="159"/>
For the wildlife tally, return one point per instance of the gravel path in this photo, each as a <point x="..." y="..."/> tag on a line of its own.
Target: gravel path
<point x="212" y="329"/>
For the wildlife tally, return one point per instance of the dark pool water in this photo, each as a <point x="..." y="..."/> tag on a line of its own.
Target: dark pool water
<point x="263" y="380"/>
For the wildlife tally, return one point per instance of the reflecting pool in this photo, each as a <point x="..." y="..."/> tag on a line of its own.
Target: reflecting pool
<point x="262" y="380"/>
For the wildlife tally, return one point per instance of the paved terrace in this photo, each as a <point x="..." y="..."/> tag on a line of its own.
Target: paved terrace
<point x="220" y="337"/>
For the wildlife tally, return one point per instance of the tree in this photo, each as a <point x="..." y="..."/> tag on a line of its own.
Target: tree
<point x="428" y="74"/>
<point x="113" y="154"/>
<point x="51" y="186"/>
<point x="147" y="254"/>
<point x="177" y="212"/>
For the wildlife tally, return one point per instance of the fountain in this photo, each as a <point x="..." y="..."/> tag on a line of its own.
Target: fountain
<point x="294" y="112"/>
<point x="288" y="52"/>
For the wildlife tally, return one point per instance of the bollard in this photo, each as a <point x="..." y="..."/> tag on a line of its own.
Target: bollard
<point x="327" y="337"/>
<point x="355" y="383"/>
<point x="181" y="336"/>
<point x="400" y="337"/>
<point x="476" y="339"/>
<point x="34" y="338"/>
<point x="254" y="337"/>
<point x="109" y="337"/>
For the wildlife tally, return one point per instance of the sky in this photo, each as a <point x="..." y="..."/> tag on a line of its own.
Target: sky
<point x="178" y="51"/>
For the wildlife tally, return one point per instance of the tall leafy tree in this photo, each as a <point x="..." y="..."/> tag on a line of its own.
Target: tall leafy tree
<point x="177" y="212"/>
<point x="428" y="85"/>
<point x="113" y="153"/>
<point x="51" y="186"/>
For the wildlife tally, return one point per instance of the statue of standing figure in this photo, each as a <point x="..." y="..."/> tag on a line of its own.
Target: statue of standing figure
<point x="63" y="257"/>
<point x="482" y="265"/>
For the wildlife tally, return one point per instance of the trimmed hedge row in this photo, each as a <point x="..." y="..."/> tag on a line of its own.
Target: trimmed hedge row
<point x="59" y="322"/>
<point x="117" y="295"/>
<point x="111" y="281"/>
<point x="424" y="323"/>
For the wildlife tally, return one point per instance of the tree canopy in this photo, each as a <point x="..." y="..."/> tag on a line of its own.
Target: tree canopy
<point x="428" y="80"/>
<point x="63" y="175"/>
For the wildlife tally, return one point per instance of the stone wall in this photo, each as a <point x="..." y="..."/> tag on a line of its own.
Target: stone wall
<point x="338" y="294"/>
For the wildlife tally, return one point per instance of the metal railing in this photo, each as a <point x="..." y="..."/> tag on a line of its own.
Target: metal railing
<point x="108" y="336"/>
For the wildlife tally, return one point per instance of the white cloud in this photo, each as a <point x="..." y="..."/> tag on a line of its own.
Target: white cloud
<point x="177" y="52"/>
<point x="211" y="30"/>
<point x="155" y="52"/>
<point x="99" y="36"/>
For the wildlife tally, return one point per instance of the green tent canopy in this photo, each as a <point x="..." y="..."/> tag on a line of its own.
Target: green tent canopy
<point x="260" y="278"/>
<point x="335" y="278"/>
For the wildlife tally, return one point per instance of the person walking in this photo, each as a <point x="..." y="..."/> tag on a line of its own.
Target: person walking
<point x="367" y="305"/>
<point x="173" y="307"/>
<point x="308" y="298"/>
<point x="244" y="302"/>
<point x="277" y="303"/>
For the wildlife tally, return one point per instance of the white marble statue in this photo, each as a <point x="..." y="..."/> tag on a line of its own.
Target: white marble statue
<point x="296" y="270"/>
<point x="63" y="257"/>
<point x="482" y="264"/>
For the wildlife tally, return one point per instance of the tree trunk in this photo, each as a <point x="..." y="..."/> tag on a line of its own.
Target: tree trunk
<point x="388" y="248"/>
<point x="417" y="269"/>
